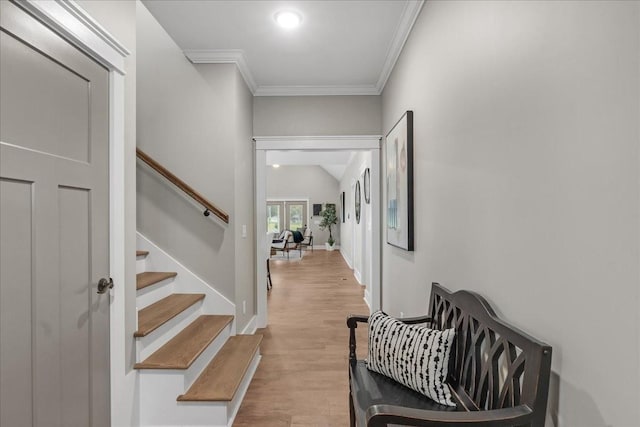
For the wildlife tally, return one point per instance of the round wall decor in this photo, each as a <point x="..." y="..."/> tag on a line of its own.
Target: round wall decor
<point x="357" y="200"/>
<point x="367" y="186"/>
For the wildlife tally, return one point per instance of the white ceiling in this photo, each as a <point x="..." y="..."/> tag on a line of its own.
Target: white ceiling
<point x="341" y="47"/>
<point x="334" y="162"/>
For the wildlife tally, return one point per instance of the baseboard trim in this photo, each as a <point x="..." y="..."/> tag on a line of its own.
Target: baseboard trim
<point x="251" y="327"/>
<point x="323" y="247"/>
<point x="358" y="276"/>
<point x="346" y="259"/>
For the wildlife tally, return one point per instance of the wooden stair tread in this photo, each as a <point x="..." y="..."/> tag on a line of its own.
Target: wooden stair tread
<point x="142" y="253"/>
<point x="221" y="378"/>
<point x="152" y="317"/>
<point x="183" y="349"/>
<point x="149" y="278"/>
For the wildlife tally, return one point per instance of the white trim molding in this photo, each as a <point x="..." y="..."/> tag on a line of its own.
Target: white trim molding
<point x="73" y="23"/>
<point x="224" y="56"/>
<point x="346" y="258"/>
<point x="237" y="56"/>
<point x="250" y="329"/>
<point x="409" y="16"/>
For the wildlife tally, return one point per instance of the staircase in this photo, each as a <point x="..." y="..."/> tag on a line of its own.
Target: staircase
<point x="193" y="369"/>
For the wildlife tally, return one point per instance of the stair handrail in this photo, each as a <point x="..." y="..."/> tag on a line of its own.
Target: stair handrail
<point x="186" y="188"/>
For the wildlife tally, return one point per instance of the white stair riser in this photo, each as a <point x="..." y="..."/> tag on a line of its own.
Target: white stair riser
<point x="141" y="264"/>
<point x="158" y="405"/>
<point x="234" y="405"/>
<point x="145" y="346"/>
<point x="147" y="296"/>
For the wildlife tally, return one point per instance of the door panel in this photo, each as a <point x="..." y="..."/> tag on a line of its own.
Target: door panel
<point x="15" y="302"/>
<point x="54" y="176"/>
<point x="75" y="273"/>
<point x="64" y="127"/>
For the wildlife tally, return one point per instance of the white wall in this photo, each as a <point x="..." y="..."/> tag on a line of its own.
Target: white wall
<point x="357" y="238"/>
<point x="244" y="203"/>
<point x="527" y="183"/>
<point x="316" y="115"/>
<point x="306" y="182"/>
<point x="195" y="120"/>
<point x="182" y="124"/>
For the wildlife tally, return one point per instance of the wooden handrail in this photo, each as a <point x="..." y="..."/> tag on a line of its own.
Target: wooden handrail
<point x="209" y="207"/>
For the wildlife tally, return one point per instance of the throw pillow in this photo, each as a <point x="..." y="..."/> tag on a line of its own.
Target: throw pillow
<point x="413" y="355"/>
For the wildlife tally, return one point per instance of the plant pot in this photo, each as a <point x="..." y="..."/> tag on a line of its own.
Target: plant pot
<point x="329" y="247"/>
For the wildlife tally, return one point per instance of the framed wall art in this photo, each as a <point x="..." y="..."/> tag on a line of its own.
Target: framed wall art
<point x="399" y="183"/>
<point x="342" y="207"/>
<point x="357" y="201"/>
<point x="367" y="185"/>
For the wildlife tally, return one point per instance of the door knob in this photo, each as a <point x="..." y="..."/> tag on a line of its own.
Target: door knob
<point x="104" y="284"/>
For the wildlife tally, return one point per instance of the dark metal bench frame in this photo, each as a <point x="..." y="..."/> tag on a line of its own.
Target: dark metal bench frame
<point x="484" y="346"/>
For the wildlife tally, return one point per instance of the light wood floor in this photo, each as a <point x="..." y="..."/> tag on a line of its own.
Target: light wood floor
<point x="302" y="379"/>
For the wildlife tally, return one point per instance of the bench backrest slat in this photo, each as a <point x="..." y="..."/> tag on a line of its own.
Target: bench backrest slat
<point x="495" y="364"/>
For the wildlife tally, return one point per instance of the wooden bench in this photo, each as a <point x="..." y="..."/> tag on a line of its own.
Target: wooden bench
<point x="498" y="375"/>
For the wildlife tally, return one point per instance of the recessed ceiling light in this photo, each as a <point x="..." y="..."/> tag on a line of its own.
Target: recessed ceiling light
<point x="276" y="166"/>
<point x="288" y="19"/>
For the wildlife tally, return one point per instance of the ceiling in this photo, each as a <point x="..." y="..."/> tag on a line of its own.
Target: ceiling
<point x="340" y="48"/>
<point x="334" y="162"/>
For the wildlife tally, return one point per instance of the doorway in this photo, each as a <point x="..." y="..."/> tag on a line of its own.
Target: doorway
<point x="263" y="145"/>
<point x="62" y="140"/>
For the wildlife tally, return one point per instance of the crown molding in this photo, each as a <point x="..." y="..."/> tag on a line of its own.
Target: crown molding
<point x="310" y="90"/>
<point x="409" y="15"/>
<point x="237" y="56"/>
<point x="224" y="56"/>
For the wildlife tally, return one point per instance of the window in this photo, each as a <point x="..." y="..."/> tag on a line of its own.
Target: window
<point x="287" y="214"/>
<point x="295" y="215"/>
<point x="274" y="217"/>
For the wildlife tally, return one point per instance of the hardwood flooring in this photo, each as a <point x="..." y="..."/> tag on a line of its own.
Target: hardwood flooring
<point x="302" y="380"/>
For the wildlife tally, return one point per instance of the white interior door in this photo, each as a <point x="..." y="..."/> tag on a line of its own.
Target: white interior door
<point x="54" y="204"/>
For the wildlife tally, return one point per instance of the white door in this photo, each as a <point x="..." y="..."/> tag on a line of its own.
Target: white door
<point x="54" y="226"/>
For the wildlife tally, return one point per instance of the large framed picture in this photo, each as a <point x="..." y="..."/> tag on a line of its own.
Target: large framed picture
<point x="399" y="183"/>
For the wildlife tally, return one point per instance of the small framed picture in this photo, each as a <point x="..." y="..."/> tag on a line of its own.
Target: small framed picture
<point x="357" y="202"/>
<point x="367" y="185"/>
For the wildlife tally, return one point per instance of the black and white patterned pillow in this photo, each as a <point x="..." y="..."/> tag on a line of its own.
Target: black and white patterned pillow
<point x="413" y="355"/>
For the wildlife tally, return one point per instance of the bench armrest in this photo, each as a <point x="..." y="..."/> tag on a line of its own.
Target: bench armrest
<point x="382" y="415"/>
<point x="352" y="323"/>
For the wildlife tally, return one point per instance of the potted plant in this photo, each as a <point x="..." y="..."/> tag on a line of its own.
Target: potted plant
<point x="329" y="219"/>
